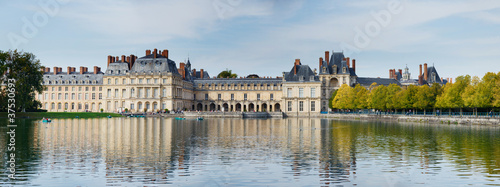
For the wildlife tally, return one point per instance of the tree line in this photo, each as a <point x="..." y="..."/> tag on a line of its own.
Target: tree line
<point x="469" y="93"/>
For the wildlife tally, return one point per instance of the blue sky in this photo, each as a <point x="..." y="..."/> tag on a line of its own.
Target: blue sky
<point x="262" y="37"/>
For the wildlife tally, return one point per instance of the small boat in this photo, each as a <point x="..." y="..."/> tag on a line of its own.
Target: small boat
<point x="109" y="116"/>
<point x="179" y="118"/>
<point x="46" y="120"/>
<point x="199" y="118"/>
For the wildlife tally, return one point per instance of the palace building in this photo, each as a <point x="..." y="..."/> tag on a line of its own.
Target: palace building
<point x="154" y="82"/>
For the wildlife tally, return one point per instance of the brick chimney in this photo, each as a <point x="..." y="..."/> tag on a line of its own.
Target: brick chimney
<point x="320" y="62"/>
<point x="354" y="65"/>
<point x="117" y="59"/>
<point x="55" y="70"/>
<point x="420" y="70"/>
<point x="390" y="74"/>
<point x="297" y="62"/>
<point x="401" y="72"/>
<point x="348" y="60"/>
<point x="128" y="59"/>
<point x="181" y="70"/>
<point x="451" y="80"/>
<point x="201" y="73"/>
<point x="96" y="69"/>
<point x="148" y="52"/>
<point x="425" y="71"/>
<point x="394" y="74"/>
<point x="69" y="69"/>
<point x="194" y="73"/>
<point x="420" y="80"/>
<point x="155" y="52"/>
<point x="82" y="70"/>
<point x="73" y="69"/>
<point x="47" y="69"/>
<point x="131" y="62"/>
<point x="441" y="79"/>
<point x="165" y="53"/>
<point x="123" y="58"/>
<point x="109" y="59"/>
<point x="327" y="57"/>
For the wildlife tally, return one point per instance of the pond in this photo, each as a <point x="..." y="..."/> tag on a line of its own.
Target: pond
<point x="249" y="152"/>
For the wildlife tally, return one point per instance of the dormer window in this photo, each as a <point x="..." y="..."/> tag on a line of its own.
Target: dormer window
<point x="324" y="69"/>
<point x="344" y="69"/>
<point x="334" y="69"/>
<point x="301" y="78"/>
<point x="311" y="78"/>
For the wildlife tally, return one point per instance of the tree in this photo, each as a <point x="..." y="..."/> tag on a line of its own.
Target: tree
<point x="452" y="94"/>
<point x="360" y="100"/>
<point x="227" y="74"/>
<point x="25" y="69"/>
<point x="344" y="98"/>
<point x="496" y="91"/>
<point x="392" y="101"/>
<point x="330" y="101"/>
<point x="423" y="98"/>
<point x="378" y="97"/>
<point x="408" y="97"/>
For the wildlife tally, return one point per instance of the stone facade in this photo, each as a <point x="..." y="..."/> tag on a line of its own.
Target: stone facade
<point x="154" y="82"/>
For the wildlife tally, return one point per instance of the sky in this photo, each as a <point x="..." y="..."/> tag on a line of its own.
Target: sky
<point x="261" y="37"/>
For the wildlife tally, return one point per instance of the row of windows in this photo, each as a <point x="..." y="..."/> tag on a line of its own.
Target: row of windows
<point x="66" y="88"/>
<point x="74" y="96"/>
<point x="73" y="82"/>
<point x="140" y="93"/>
<point x="240" y="86"/>
<point x="245" y="97"/>
<point x="139" y="81"/>
<point x="289" y="92"/>
<point x="73" y="106"/>
<point x="301" y="106"/>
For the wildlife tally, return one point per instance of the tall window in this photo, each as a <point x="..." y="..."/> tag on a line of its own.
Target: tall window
<point x="272" y="97"/>
<point x="206" y="96"/>
<point x="258" y="97"/>
<point x="100" y="96"/>
<point x="313" y="92"/>
<point x="124" y="93"/>
<point x="109" y="81"/>
<point x="73" y="96"/>
<point x="301" y="106"/>
<point x="109" y="92"/>
<point x="124" y="81"/>
<point x="140" y="95"/>
<point x="219" y="97"/>
<point x="132" y="81"/>
<point x="93" y="96"/>
<point x="147" y="92"/>
<point x="164" y="92"/>
<point x="301" y="92"/>
<point x="86" y="96"/>
<point x="245" y="97"/>
<point x="289" y="106"/>
<point x="289" y="92"/>
<point x="313" y="106"/>
<point x="116" y="93"/>
<point x="59" y="96"/>
<point x="155" y="92"/>
<point x="116" y="81"/>
<point x="131" y="105"/>
<point x="79" y="96"/>
<point x="232" y="97"/>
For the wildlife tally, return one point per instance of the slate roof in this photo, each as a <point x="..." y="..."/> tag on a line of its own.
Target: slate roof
<point x="271" y="81"/>
<point x="367" y="81"/>
<point x="304" y="74"/>
<point x="337" y="58"/>
<point x="62" y="78"/>
<point x="149" y="64"/>
<point x="117" y="68"/>
<point x="430" y="79"/>
<point x="205" y="75"/>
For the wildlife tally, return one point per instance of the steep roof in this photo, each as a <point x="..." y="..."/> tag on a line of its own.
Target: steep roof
<point x="367" y="81"/>
<point x="117" y="68"/>
<point x="337" y="59"/>
<point x="150" y="64"/>
<point x="304" y="73"/>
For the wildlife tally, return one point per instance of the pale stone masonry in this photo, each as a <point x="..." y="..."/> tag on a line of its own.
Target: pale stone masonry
<point x="154" y="82"/>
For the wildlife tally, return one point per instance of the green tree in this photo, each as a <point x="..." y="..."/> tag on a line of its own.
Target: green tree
<point x="408" y="97"/>
<point x="330" y="101"/>
<point x="378" y="97"/>
<point x="25" y="69"/>
<point x="227" y="74"/>
<point x="344" y="98"/>
<point x="392" y="101"/>
<point x="423" y="98"/>
<point x="360" y="100"/>
<point x="496" y="91"/>
<point x="452" y="94"/>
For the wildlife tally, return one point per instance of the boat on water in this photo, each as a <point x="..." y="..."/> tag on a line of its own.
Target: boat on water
<point x="109" y="116"/>
<point x="179" y="118"/>
<point x="46" y="120"/>
<point x="199" y="118"/>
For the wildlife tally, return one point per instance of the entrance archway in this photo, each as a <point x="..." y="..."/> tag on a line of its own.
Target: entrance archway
<point x="238" y="107"/>
<point x="277" y="107"/>
<point x="264" y="107"/>
<point x="199" y="107"/>
<point x="225" y="106"/>
<point x="251" y="107"/>
<point x="212" y="107"/>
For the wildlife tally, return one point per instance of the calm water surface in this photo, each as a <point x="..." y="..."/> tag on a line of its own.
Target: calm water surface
<point x="248" y="152"/>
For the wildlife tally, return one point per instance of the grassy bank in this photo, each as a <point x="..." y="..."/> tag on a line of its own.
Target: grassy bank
<point x="60" y="114"/>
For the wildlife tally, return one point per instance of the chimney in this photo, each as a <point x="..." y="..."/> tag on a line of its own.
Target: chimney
<point x="131" y="62"/>
<point x="165" y="53"/>
<point x="148" y="52"/>
<point x="348" y="60"/>
<point x="390" y="74"/>
<point x="327" y="57"/>
<point x="82" y="69"/>
<point x="73" y="69"/>
<point x="401" y="72"/>
<point x="420" y="70"/>
<point x="55" y="70"/>
<point x="155" y="51"/>
<point x="451" y="80"/>
<point x="425" y="71"/>
<point x="117" y="59"/>
<point x="109" y="60"/>
<point x="354" y="65"/>
<point x="128" y="59"/>
<point x="201" y="73"/>
<point x="320" y="62"/>
<point x="123" y="58"/>
<point x="297" y="62"/>
<point x="69" y="69"/>
<point x="181" y="70"/>
<point x="420" y="80"/>
<point x="394" y="74"/>
<point x="96" y="69"/>
<point x="194" y="73"/>
<point x="441" y="79"/>
<point x="47" y="69"/>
